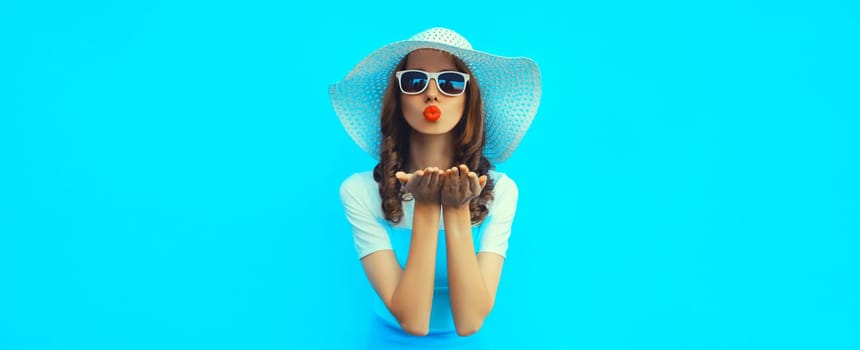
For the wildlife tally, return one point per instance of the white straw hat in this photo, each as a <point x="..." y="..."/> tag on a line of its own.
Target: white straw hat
<point x="510" y="88"/>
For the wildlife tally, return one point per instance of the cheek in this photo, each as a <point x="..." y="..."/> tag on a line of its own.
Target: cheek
<point x="411" y="106"/>
<point x="459" y="107"/>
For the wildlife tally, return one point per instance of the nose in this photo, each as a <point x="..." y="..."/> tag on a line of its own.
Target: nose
<point x="431" y="93"/>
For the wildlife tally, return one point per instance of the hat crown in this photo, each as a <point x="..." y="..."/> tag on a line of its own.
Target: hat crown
<point x="443" y="36"/>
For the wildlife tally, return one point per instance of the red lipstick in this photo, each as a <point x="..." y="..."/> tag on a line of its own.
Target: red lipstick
<point x="432" y="113"/>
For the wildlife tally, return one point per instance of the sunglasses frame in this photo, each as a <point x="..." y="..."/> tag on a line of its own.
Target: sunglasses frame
<point x="433" y="76"/>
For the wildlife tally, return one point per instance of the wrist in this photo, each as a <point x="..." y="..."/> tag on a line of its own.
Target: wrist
<point x="457" y="219"/>
<point x="428" y="205"/>
<point x="427" y="202"/>
<point x="454" y="204"/>
<point x="426" y="214"/>
<point x="458" y="210"/>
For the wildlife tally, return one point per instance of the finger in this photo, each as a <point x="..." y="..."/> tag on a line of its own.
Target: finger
<point x="464" y="169"/>
<point x="446" y="180"/>
<point x="414" y="180"/>
<point x="434" y="178"/>
<point x="425" y="177"/>
<point x="455" y="179"/>
<point x="403" y="177"/>
<point x="474" y="186"/>
<point x="482" y="181"/>
<point x="464" y="180"/>
<point x="428" y="175"/>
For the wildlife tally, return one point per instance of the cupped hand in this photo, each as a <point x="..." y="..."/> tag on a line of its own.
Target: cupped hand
<point x="424" y="185"/>
<point x="461" y="185"/>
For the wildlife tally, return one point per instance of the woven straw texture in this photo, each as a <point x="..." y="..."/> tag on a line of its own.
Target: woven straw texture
<point x="510" y="88"/>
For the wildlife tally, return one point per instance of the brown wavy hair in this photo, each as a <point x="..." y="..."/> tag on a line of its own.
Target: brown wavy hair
<point x="469" y="135"/>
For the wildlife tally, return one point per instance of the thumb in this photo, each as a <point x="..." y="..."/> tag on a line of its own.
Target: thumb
<point x="482" y="180"/>
<point x="403" y="177"/>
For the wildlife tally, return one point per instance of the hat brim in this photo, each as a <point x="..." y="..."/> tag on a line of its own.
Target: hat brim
<point x="510" y="89"/>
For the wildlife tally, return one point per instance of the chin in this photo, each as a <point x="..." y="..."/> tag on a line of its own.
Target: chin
<point x="427" y="129"/>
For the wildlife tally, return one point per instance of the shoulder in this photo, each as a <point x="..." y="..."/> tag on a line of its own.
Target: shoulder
<point x="358" y="181"/>
<point x="358" y="184"/>
<point x="359" y="187"/>
<point x="505" y="195"/>
<point x="504" y="185"/>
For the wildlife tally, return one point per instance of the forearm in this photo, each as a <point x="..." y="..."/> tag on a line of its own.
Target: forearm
<point x="470" y="299"/>
<point x="413" y="298"/>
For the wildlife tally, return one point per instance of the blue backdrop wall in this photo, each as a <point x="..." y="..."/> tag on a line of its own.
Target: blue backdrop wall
<point x="169" y="173"/>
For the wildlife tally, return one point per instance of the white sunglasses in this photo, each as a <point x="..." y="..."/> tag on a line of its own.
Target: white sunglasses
<point x="413" y="81"/>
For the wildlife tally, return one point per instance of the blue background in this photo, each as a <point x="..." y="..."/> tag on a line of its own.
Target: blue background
<point x="169" y="173"/>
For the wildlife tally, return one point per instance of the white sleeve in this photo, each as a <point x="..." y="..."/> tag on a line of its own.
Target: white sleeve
<point x="367" y="231"/>
<point x="501" y="216"/>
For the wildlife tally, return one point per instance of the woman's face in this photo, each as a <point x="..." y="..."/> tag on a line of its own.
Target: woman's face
<point x="413" y="106"/>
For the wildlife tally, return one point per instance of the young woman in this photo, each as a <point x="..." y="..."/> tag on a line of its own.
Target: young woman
<point x="431" y="222"/>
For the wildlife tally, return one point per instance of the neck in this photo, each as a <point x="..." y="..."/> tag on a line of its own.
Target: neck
<point x="430" y="151"/>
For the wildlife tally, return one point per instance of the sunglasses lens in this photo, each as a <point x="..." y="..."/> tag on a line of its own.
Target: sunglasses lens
<point x="452" y="83"/>
<point x="413" y="82"/>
